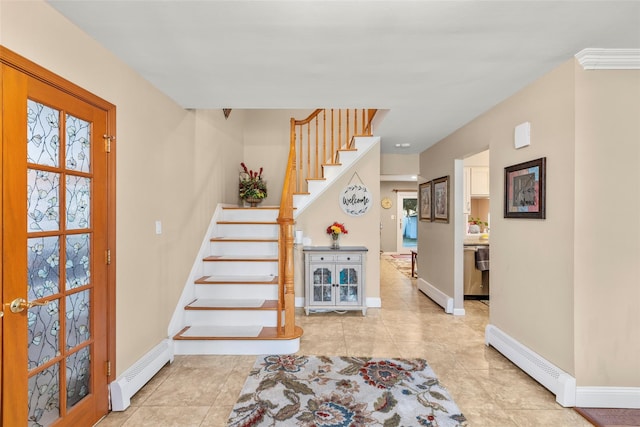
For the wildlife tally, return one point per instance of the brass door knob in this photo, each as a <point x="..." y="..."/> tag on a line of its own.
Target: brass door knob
<point x="20" y="304"/>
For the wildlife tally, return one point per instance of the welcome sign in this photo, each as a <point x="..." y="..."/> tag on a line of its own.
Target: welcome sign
<point x="355" y="199"/>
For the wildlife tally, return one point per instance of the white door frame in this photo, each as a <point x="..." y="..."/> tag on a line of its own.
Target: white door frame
<point x="401" y="195"/>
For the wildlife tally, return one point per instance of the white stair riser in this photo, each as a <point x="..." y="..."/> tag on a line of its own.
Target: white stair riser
<point x="244" y="248"/>
<point x="249" y="214"/>
<point x="315" y="186"/>
<point x="240" y="267"/>
<point x="249" y="347"/>
<point x="247" y="230"/>
<point x="237" y="291"/>
<point x="348" y="157"/>
<point x="230" y="317"/>
<point x="330" y="172"/>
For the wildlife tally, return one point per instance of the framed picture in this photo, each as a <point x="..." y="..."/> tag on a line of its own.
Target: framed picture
<point x="524" y="189"/>
<point x="441" y="199"/>
<point x="424" y="194"/>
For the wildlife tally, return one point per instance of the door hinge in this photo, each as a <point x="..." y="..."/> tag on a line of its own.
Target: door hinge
<point x="107" y="257"/>
<point x="108" y="368"/>
<point x="107" y="142"/>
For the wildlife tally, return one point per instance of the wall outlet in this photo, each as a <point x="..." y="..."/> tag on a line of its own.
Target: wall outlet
<point x="158" y="227"/>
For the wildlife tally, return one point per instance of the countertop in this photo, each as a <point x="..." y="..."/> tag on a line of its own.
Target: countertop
<point x="475" y="240"/>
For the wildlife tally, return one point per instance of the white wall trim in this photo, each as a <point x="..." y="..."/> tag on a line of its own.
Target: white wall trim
<point x="608" y="397"/>
<point x="439" y="297"/>
<point x="459" y="312"/>
<point x="373" y="302"/>
<point x="609" y="59"/>
<point x="546" y="373"/>
<point x="130" y="381"/>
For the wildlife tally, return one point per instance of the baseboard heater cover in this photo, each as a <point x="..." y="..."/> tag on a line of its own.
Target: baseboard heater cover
<point x="439" y="297"/>
<point x="134" y="378"/>
<point x="550" y="376"/>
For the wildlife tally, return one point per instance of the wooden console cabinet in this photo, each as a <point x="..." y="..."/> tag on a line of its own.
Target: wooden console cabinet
<point x="335" y="278"/>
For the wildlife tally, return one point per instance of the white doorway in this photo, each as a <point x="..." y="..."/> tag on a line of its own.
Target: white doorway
<point x="407" y="214"/>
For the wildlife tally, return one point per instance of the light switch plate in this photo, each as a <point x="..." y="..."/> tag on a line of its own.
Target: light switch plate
<point x="158" y="227"/>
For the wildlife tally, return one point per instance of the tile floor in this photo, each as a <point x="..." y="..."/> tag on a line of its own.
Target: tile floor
<point x="490" y="391"/>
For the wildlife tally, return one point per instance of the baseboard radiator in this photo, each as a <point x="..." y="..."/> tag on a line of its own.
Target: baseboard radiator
<point x="132" y="380"/>
<point x="439" y="297"/>
<point x="550" y="376"/>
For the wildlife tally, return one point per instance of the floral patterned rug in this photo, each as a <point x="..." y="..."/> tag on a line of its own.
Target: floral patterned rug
<point x="402" y="264"/>
<point x="294" y="390"/>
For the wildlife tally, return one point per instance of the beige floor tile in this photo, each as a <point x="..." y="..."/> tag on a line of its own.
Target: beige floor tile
<point x="487" y="387"/>
<point x="565" y="417"/>
<point x="167" y="416"/>
<point x="217" y="416"/>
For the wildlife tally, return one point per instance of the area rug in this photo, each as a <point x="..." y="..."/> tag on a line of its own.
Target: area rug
<point x="294" y="390"/>
<point x="610" y="417"/>
<point x="408" y="256"/>
<point x="402" y="264"/>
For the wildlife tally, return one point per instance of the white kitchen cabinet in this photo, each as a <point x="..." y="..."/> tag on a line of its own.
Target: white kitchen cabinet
<point x="334" y="278"/>
<point x="479" y="180"/>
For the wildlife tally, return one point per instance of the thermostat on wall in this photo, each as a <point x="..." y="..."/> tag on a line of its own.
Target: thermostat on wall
<point x="522" y="135"/>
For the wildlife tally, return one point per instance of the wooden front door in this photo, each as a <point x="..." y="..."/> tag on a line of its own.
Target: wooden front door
<point x="56" y="273"/>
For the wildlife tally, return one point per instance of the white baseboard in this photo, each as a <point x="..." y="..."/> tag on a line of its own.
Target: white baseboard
<point x="132" y="380"/>
<point x="608" y="397"/>
<point x="550" y="376"/>
<point x="371" y="302"/>
<point x="439" y="297"/>
<point x="374" y="302"/>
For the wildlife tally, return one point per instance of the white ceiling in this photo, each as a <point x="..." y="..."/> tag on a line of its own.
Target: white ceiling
<point x="435" y="65"/>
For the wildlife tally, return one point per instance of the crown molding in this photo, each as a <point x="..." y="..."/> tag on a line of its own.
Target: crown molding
<point x="609" y="59"/>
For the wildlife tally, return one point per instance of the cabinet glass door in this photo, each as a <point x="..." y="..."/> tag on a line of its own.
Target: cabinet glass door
<point x="349" y="281"/>
<point x="322" y="285"/>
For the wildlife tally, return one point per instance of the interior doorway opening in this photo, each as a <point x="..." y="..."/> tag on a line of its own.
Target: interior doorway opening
<point x="407" y="214"/>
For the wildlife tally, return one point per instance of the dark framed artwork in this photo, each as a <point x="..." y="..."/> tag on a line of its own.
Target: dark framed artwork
<point x="426" y="206"/>
<point x="441" y="199"/>
<point x="524" y="189"/>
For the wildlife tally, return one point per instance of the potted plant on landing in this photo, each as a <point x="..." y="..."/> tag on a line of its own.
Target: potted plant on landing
<point x="253" y="189"/>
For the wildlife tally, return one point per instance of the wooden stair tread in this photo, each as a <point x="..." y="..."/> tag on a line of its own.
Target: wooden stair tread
<point x="243" y="239"/>
<point x="247" y="208"/>
<point x="234" y="333"/>
<point x="232" y="304"/>
<point x="248" y="222"/>
<point x="240" y="258"/>
<point x="238" y="280"/>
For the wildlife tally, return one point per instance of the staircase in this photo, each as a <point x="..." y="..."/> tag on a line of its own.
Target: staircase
<point x="234" y="302"/>
<point x="235" y="305"/>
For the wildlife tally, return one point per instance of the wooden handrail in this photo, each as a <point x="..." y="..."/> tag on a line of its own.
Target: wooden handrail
<point x="305" y="162"/>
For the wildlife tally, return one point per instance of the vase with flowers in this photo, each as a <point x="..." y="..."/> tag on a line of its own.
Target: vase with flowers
<point x="253" y="188"/>
<point x="335" y="230"/>
<point x="476" y="225"/>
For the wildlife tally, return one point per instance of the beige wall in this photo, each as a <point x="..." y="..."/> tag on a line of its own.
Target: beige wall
<point x="266" y="143"/>
<point x="567" y="286"/>
<point x="399" y="164"/>
<point x="607" y="237"/>
<point x="531" y="260"/>
<point x="173" y="165"/>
